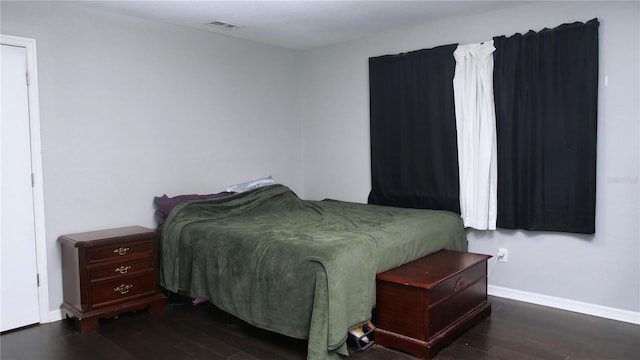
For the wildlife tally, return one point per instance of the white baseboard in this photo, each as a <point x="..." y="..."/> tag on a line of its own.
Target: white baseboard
<point x="566" y="304"/>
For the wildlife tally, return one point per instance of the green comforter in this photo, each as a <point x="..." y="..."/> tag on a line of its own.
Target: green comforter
<point x="305" y="269"/>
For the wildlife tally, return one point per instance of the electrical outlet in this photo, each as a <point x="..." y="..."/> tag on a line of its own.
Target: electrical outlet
<point x="503" y="255"/>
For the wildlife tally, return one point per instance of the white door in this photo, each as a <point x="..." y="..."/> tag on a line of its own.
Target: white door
<point x="19" y="296"/>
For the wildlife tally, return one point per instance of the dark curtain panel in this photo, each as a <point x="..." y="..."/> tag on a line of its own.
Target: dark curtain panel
<point x="414" y="159"/>
<point x="546" y="94"/>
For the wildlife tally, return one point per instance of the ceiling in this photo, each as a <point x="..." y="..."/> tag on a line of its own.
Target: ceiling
<point x="296" y="24"/>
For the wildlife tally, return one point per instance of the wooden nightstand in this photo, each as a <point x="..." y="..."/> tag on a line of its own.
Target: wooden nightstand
<point x="108" y="272"/>
<point x="424" y="305"/>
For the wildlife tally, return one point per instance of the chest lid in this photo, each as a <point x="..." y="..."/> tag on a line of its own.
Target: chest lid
<point x="429" y="271"/>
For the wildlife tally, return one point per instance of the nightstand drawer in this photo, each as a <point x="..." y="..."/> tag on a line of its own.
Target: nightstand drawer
<point x="121" y="290"/>
<point x="120" y="269"/>
<point x="119" y="251"/>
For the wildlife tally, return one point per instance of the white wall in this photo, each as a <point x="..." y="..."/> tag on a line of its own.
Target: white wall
<point x="603" y="269"/>
<point x="131" y="109"/>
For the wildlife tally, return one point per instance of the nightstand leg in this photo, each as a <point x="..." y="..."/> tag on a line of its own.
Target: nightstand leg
<point x="87" y="323"/>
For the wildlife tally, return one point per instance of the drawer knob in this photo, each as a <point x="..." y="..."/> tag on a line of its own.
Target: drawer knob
<point x="123" y="269"/>
<point x="121" y="251"/>
<point x="123" y="289"/>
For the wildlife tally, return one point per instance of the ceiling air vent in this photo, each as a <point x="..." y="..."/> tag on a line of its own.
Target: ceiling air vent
<point x="224" y="25"/>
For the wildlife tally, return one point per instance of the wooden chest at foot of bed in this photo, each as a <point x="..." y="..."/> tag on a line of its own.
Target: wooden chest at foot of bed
<point x="424" y="305"/>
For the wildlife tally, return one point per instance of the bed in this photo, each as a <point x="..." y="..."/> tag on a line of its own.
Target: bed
<point x="302" y="268"/>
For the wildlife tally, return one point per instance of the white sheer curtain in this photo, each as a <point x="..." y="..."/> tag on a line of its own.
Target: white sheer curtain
<point x="476" y="128"/>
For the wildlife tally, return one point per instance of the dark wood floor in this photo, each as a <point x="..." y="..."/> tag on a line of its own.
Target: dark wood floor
<point x="515" y="330"/>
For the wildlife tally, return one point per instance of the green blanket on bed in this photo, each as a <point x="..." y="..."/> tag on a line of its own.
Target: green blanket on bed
<point x="305" y="269"/>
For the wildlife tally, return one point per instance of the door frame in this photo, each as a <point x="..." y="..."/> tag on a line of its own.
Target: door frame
<point x="36" y="169"/>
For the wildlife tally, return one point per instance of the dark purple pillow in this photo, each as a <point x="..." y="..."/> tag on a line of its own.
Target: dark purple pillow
<point x="165" y="204"/>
